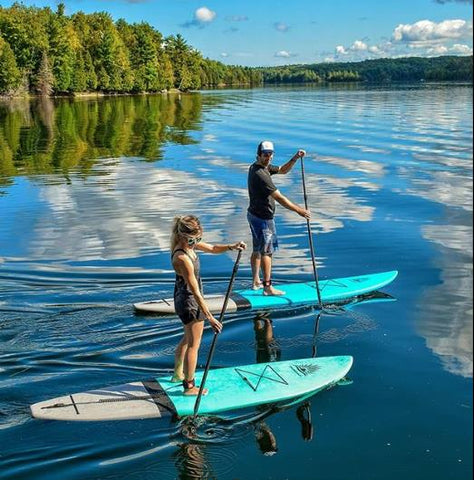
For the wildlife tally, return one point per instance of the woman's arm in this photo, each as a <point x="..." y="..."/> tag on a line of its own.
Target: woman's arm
<point x="220" y="248"/>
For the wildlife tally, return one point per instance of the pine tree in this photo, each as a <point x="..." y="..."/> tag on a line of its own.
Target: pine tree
<point x="45" y="78"/>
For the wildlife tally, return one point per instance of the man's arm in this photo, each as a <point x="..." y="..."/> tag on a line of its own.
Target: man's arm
<point x="290" y="163"/>
<point x="287" y="203"/>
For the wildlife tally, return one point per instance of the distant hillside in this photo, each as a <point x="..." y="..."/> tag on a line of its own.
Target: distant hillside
<point x="381" y="70"/>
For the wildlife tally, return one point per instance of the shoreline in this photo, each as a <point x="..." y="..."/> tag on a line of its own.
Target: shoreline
<point x="174" y="91"/>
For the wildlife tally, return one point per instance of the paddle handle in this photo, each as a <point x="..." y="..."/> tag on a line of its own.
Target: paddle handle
<point x="310" y="236"/>
<point x="214" y="340"/>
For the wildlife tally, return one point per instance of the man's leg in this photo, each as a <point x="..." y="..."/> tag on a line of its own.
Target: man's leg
<point x="266" y="262"/>
<point x="255" y="262"/>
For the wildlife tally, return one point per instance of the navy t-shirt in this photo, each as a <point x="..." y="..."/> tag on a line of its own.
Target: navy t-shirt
<point x="261" y="186"/>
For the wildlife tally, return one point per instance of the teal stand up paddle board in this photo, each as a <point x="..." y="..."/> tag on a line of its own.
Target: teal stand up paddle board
<point x="229" y="389"/>
<point x="296" y="295"/>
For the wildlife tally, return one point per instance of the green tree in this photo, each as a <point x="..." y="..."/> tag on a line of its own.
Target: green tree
<point x="25" y="29"/>
<point x="45" y="78"/>
<point x="10" y="75"/>
<point x="63" y="49"/>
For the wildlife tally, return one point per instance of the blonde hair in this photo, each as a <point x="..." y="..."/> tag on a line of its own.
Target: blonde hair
<point x="185" y="226"/>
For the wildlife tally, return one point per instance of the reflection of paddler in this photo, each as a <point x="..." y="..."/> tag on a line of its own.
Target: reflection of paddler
<point x="190" y="457"/>
<point x="191" y="462"/>
<point x="303" y="413"/>
<point x="267" y="347"/>
<point x="265" y="439"/>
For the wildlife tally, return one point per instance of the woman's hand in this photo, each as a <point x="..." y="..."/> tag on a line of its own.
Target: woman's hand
<point x="215" y="324"/>
<point x="237" y="246"/>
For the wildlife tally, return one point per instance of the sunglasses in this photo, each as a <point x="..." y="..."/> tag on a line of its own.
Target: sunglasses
<point x="194" y="241"/>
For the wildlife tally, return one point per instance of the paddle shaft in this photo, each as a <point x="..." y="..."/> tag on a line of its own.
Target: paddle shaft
<point x="214" y="340"/>
<point x="310" y="236"/>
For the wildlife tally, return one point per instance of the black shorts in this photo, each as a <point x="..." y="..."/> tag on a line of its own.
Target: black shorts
<point x="187" y="308"/>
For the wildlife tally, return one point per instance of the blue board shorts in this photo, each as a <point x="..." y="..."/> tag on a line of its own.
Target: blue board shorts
<point x="264" y="236"/>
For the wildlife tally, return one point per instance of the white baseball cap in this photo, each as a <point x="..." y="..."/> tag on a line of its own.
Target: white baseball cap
<point x="265" y="147"/>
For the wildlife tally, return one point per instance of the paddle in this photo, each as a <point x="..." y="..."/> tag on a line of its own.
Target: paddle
<point x="214" y="340"/>
<point x="315" y="334"/>
<point x="310" y="236"/>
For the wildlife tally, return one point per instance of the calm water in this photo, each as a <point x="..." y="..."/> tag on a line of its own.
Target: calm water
<point x="88" y="190"/>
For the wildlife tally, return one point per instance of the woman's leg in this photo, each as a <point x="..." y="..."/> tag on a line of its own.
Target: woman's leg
<point x="194" y="334"/>
<point x="179" y="355"/>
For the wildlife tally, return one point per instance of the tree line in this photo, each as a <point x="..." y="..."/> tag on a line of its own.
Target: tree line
<point x="47" y="52"/>
<point x="408" y="69"/>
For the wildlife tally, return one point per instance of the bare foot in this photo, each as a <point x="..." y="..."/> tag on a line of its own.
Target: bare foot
<point x="177" y="378"/>
<point x="194" y="392"/>
<point x="257" y="286"/>
<point x="273" y="291"/>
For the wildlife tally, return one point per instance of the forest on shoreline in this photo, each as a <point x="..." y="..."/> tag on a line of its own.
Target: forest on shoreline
<point x="47" y="53"/>
<point x="406" y="69"/>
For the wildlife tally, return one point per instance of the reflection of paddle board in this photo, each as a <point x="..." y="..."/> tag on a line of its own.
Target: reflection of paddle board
<point x="296" y="294"/>
<point x="229" y="389"/>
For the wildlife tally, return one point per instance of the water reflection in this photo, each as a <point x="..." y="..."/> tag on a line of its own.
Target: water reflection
<point x="191" y="462"/>
<point x="445" y="317"/>
<point x="268" y="350"/>
<point x="55" y="136"/>
<point x="303" y="414"/>
<point x="265" y="438"/>
<point x="266" y="346"/>
<point x="88" y="189"/>
<point x="445" y="311"/>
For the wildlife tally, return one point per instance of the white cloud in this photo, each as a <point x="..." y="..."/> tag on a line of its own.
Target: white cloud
<point x="428" y="31"/>
<point x="461" y="49"/>
<point x="284" y="54"/>
<point x="204" y="15"/>
<point x="359" y="45"/>
<point x="437" y="50"/>
<point x="376" y="50"/>
<point x="426" y="37"/>
<point x="281" y="27"/>
<point x="224" y="54"/>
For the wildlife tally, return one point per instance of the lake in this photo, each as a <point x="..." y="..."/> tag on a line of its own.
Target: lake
<point x="88" y="191"/>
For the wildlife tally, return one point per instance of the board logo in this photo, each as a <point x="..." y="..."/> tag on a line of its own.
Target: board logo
<point x="305" y="369"/>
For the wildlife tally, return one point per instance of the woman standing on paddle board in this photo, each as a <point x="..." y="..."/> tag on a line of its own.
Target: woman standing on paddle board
<point x="189" y="302"/>
<point x="262" y="196"/>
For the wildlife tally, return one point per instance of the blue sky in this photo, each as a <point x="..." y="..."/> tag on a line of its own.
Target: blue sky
<point x="279" y="32"/>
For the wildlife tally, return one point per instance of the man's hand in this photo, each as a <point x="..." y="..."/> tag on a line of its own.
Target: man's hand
<point x="302" y="212"/>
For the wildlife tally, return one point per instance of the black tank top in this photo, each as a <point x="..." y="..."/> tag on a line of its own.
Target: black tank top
<point x="184" y="300"/>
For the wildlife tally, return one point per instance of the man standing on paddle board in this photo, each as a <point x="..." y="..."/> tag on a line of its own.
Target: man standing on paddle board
<point x="262" y="195"/>
<point x="189" y="301"/>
